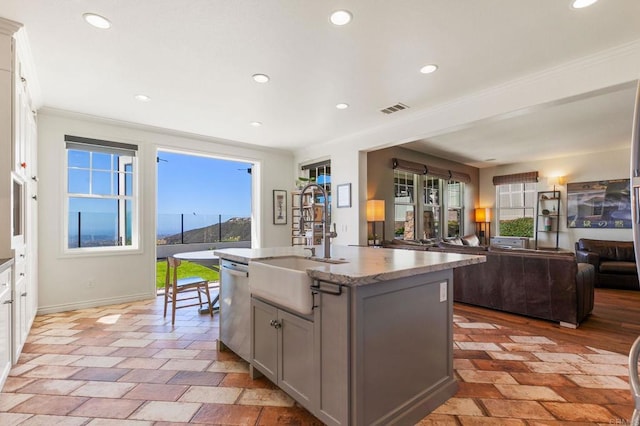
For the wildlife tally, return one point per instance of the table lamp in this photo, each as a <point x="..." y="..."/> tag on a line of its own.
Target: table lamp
<point x="483" y="223"/>
<point x="375" y="213"/>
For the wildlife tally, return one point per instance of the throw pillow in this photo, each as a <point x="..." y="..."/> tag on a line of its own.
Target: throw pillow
<point x="471" y="240"/>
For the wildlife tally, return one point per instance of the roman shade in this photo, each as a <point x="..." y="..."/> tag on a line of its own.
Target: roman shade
<point x="460" y="177"/>
<point x="425" y="169"/>
<point x="438" y="172"/>
<point x="99" y="145"/>
<point x="527" y="177"/>
<point x="325" y="163"/>
<point x="409" y="166"/>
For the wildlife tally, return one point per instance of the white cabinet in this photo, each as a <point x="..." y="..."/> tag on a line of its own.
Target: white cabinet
<point x="21" y="309"/>
<point x="23" y="117"/>
<point x="18" y="183"/>
<point x="283" y="350"/>
<point x="5" y="325"/>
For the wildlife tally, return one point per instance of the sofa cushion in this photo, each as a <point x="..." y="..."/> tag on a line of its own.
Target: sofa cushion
<point x="471" y="240"/>
<point x="625" y="253"/>
<point x="606" y="249"/>
<point x="615" y="267"/>
<point x="458" y="248"/>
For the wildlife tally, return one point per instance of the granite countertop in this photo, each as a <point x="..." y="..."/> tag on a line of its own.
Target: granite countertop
<point x="5" y="263"/>
<point x="360" y="265"/>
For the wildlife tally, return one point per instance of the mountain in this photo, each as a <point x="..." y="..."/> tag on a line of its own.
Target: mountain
<point x="235" y="229"/>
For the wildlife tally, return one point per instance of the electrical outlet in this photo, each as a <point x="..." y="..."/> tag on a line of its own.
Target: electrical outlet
<point x="91" y="283"/>
<point x="443" y="291"/>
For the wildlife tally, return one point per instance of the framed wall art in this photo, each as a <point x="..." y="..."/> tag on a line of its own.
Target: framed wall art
<point x="279" y="207"/>
<point x="344" y="195"/>
<point x="599" y="204"/>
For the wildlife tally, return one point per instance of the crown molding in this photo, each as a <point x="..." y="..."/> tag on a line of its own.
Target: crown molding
<point x="73" y="115"/>
<point x="23" y="48"/>
<point x="9" y="27"/>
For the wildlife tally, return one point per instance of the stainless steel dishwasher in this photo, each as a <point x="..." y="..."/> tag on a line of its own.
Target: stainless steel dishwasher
<point x="235" y="307"/>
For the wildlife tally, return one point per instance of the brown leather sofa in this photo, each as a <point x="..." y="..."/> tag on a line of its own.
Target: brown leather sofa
<point x="614" y="262"/>
<point x="539" y="284"/>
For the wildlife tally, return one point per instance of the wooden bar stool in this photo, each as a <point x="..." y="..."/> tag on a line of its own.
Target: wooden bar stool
<point x="174" y="286"/>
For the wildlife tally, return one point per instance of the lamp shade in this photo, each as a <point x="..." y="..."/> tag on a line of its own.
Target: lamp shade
<point x="483" y="215"/>
<point x="375" y="210"/>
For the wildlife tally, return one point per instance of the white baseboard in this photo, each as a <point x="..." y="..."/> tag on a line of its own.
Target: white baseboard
<point x="52" y="309"/>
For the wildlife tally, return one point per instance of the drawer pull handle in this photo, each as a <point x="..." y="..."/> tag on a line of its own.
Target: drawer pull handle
<point x="24" y="294"/>
<point x="334" y="292"/>
<point x="7" y="302"/>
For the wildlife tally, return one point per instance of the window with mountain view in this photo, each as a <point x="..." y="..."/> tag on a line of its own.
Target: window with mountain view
<point x="100" y="197"/>
<point x="202" y="199"/>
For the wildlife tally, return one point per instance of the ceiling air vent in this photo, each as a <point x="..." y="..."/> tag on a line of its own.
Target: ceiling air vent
<point x="394" y="108"/>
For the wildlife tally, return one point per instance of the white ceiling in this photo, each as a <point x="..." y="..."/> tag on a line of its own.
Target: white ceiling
<point x="195" y="59"/>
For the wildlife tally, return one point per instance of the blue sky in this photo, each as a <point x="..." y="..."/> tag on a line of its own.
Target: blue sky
<point x="200" y="188"/>
<point x="203" y="185"/>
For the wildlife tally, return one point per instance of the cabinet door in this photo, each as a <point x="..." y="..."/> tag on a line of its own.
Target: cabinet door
<point x="264" y="339"/>
<point x="332" y="338"/>
<point x="20" y="317"/>
<point x="5" y="325"/>
<point x="297" y="357"/>
<point x="22" y="112"/>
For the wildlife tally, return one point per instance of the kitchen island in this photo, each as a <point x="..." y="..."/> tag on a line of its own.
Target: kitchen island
<point x="375" y="347"/>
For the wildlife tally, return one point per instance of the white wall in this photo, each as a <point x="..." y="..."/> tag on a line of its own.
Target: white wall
<point x="64" y="279"/>
<point x="579" y="168"/>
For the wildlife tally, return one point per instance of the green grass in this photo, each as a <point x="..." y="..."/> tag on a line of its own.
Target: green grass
<point x="186" y="269"/>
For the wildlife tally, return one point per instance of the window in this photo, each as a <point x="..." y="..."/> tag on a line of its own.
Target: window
<point x="101" y="194"/>
<point x="320" y="173"/>
<point x="515" y="206"/>
<point x="455" y="201"/>
<point x="404" y="204"/>
<point x="432" y="189"/>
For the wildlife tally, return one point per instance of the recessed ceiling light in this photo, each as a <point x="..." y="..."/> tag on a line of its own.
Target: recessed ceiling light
<point x="580" y="4"/>
<point x="428" y="69"/>
<point x="142" y="98"/>
<point x="342" y="106"/>
<point x="97" y="21"/>
<point x="256" y="123"/>
<point x="341" y="17"/>
<point x="260" y="78"/>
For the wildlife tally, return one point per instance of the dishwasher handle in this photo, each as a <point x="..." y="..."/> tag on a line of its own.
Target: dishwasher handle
<point x="236" y="272"/>
<point x="315" y="287"/>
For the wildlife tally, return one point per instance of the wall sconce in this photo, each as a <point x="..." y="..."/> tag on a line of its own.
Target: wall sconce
<point x="483" y="224"/>
<point x="375" y="213"/>
<point x="556" y="180"/>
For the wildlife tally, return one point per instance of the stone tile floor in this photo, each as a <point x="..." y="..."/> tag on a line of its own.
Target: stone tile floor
<point x="126" y="365"/>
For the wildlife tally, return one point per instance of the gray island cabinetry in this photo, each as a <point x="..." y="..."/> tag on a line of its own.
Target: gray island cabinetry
<point x="377" y="345"/>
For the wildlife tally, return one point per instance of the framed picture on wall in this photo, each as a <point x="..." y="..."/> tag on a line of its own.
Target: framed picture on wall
<point x="279" y="207"/>
<point x="599" y="204"/>
<point x="344" y="195"/>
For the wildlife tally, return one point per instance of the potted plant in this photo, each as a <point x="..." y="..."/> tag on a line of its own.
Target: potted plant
<point x="302" y="181"/>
